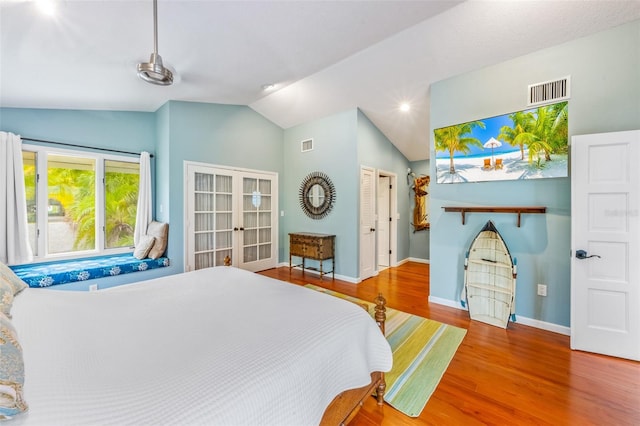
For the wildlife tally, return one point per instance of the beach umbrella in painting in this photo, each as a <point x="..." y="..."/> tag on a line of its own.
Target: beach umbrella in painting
<point x="492" y="143"/>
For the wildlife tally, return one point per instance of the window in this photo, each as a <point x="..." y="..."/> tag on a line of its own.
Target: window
<point x="121" y="182"/>
<point x="79" y="204"/>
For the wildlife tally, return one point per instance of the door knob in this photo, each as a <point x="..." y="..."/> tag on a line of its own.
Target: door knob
<point x="582" y="254"/>
<point x="372" y="229"/>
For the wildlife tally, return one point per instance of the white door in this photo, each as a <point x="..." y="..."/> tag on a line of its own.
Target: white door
<point x="257" y="223"/>
<point x="367" y="223"/>
<point x="605" y="243"/>
<point x="384" y="221"/>
<point x="209" y="235"/>
<point x="230" y="214"/>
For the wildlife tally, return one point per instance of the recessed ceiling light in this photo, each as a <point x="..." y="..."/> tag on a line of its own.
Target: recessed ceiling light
<point x="268" y="87"/>
<point x="46" y="7"/>
<point x="404" y="107"/>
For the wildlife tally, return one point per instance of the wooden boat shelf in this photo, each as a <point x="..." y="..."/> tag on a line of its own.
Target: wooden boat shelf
<point x="515" y="210"/>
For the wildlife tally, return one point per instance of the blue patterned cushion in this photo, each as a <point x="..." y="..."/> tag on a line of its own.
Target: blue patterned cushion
<point x="52" y="273"/>
<point x="7" y="275"/>
<point x="11" y="371"/>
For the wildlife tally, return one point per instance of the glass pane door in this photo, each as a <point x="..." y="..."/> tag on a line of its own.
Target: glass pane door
<point x="212" y="219"/>
<point x="230" y="215"/>
<point x="257" y="215"/>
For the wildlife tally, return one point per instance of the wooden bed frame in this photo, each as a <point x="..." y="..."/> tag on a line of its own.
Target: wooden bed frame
<point x="346" y="405"/>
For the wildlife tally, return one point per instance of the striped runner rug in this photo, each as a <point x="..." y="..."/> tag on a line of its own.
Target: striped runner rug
<point x="422" y="350"/>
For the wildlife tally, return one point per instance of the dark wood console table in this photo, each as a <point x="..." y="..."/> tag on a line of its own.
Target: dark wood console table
<point x="309" y="245"/>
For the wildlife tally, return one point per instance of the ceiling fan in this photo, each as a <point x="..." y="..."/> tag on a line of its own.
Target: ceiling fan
<point x="154" y="71"/>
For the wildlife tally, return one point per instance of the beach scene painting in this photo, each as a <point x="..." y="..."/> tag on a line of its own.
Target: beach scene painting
<point x="529" y="144"/>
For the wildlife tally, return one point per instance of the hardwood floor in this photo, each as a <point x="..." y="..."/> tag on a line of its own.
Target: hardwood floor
<point x="522" y="375"/>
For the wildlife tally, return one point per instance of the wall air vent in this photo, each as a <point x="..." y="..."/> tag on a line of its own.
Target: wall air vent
<point x="306" y="145"/>
<point x="549" y="91"/>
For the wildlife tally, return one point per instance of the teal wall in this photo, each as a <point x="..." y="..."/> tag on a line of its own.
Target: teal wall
<point x="376" y="151"/>
<point x="605" y="96"/>
<point x="334" y="154"/>
<point x="342" y="143"/>
<point x="120" y="130"/>
<point x="232" y="135"/>
<point x="162" y="199"/>
<point x="226" y="135"/>
<point x="218" y="134"/>
<point x="419" y="247"/>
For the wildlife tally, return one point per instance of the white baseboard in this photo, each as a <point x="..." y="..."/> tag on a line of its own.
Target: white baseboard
<point x="560" y="329"/>
<point x="401" y="262"/>
<point x="446" y="302"/>
<point x="418" y="260"/>
<point x="543" y="325"/>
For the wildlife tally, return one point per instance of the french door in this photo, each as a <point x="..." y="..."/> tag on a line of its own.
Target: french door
<point x="230" y="216"/>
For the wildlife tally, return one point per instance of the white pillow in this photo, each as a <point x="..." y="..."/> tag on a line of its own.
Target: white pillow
<point x="144" y="246"/>
<point x="161" y="232"/>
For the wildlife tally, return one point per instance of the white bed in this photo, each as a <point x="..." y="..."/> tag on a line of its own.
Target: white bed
<point x="216" y="346"/>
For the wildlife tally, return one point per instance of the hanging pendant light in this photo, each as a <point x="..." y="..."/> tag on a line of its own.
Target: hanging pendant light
<point x="153" y="71"/>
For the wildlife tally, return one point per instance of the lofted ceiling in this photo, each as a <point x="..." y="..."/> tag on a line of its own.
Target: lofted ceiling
<point x="322" y="56"/>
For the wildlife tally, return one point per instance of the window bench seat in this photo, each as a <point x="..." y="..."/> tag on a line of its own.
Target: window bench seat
<point x="67" y="271"/>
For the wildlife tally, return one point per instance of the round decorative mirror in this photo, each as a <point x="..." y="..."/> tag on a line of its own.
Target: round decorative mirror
<point x="317" y="195"/>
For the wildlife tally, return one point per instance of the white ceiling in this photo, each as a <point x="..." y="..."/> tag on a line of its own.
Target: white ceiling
<point x="323" y="56"/>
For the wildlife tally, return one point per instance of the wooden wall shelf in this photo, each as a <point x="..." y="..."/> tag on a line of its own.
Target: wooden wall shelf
<point x="515" y="210"/>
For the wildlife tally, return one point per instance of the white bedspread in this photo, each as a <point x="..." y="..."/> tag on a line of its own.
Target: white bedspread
<point x="218" y="346"/>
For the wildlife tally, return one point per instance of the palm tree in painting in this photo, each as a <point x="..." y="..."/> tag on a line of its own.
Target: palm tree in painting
<point x="520" y="133"/>
<point x="557" y="129"/>
<point x="542" y="130"/>
<point x="455" y="139"/>
<point x="550" y="130"/>
<point x="535" y="149"/>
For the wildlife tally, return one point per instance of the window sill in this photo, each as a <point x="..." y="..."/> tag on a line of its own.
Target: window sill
<point x="38" y="275"/>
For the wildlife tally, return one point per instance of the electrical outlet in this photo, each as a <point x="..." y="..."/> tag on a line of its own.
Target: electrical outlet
<point x="542" y="289"/>
<point x="93" y="287"/>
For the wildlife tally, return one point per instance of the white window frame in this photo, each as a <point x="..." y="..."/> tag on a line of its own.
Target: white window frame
<point x="42" y="200"/>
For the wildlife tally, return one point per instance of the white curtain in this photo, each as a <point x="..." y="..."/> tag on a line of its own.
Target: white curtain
<point x="14" y="235"/>
<point x="143" y="215"/>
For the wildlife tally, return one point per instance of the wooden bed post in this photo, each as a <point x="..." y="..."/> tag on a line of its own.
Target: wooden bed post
<point x="346" y="405"/>
<point x="381" y="317"/>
